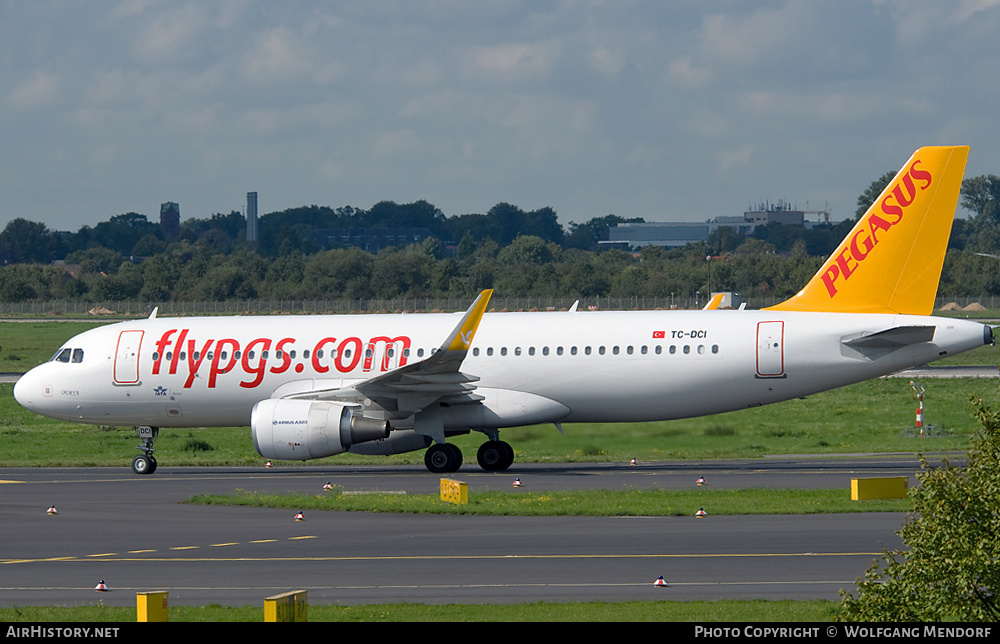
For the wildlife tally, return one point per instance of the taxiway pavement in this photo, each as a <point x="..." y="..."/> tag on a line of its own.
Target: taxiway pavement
<point x="135" y="533"/>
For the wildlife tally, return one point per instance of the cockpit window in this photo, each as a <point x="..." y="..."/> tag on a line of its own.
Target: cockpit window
<point x="68" y="355"/>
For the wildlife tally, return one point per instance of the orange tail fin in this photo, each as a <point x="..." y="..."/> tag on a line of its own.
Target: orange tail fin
<point x="891" y="260"/>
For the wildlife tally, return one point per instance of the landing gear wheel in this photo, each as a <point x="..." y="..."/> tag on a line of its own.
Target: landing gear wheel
<point x="495" y="456"/>
<point x="143" y="464"/>
<point x="442" y="458"/>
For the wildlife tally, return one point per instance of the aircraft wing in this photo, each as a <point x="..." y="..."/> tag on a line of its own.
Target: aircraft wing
<point x="411" y="387"/>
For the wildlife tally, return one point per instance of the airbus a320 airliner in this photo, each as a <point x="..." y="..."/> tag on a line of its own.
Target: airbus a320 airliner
<point x="314" y="386"/>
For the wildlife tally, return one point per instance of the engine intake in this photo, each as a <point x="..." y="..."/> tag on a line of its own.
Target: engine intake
<point x="297" y="430"/>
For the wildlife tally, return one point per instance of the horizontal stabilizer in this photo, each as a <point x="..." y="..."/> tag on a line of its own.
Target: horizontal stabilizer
<point x="893" y="338"/>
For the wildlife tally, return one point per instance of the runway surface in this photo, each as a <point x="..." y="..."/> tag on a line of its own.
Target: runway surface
<point x="136" y="534"/>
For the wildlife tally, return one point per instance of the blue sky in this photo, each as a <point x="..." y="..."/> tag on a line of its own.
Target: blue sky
<point x="671" y="111"/>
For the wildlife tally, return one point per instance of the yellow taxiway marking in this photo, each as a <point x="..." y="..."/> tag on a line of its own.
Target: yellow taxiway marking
<point x="105" y="554"/>
<point x="298" y="538"/>
<point x="139" y="552"/>
<point x="264" y="541"/>
<point x="2" y="481"/>
<point x="185" y="548"/>
<point x="219" y="545"/>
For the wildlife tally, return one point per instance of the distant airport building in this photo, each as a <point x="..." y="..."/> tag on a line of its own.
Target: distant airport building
<point x="674" y="234"/>
<point x="170" y="220"/>
<point x="251" y="216"/>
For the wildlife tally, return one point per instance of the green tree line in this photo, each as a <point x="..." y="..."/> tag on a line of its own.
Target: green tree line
<point x="516" y="252"/>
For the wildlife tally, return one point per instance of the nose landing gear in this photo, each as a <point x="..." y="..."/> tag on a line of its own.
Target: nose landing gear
<point x="145" y="463"/>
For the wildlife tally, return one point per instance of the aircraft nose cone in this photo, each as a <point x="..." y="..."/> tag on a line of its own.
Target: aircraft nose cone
<point x="23" y="392"/>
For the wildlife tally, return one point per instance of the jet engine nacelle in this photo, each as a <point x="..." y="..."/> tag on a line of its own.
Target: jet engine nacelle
<point x="296" y="430"/>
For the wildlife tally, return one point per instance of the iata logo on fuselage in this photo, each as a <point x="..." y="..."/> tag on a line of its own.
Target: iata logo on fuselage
<point x="880" y="220"/>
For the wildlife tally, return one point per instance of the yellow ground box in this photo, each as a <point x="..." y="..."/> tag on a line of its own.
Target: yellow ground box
<point x="286" y="607"/>
<point x="454" y="491"/>
<point x="894" y="487"/>
<point x="151" y="607"/>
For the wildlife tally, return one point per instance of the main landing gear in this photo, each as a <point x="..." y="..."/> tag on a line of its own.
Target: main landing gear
<point x="493" y="456"/>
<point x="145" y="463"/>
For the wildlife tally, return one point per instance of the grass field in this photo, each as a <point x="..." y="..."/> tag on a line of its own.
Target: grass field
<point x="629" y="502"/>
<point x="637" y="611"/>
<point x="868" y="417"/>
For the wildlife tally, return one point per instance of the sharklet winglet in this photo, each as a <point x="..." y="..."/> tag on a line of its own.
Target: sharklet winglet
<point x="461" y="338"/>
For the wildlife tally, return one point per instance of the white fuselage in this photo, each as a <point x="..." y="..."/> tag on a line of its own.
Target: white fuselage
<point x="532" y="367"/>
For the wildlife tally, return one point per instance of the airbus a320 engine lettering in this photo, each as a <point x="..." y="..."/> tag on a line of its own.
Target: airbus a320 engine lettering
<point x="315" y="386"/>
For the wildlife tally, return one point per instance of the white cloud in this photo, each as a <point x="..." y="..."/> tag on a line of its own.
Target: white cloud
<point x="968" y="8"/>
<point x="685" y="72"/>
<point x="606" y="61"/>
<point x="511" y="62"/>
<point x="172" y="35"/>
<point x="37" y="91"/>
<point x="277" y="55"/>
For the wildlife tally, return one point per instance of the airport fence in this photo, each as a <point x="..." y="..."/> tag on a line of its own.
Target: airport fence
<point x="136" y="308"/>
